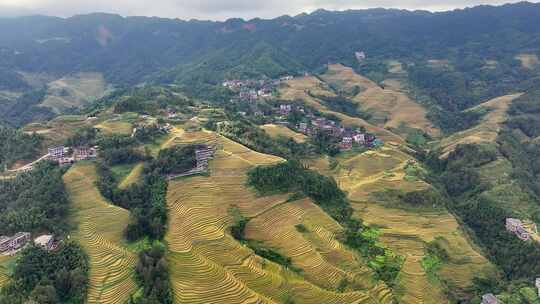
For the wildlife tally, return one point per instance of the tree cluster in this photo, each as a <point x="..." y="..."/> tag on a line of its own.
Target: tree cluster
<point x="152" y="272"/>
<point x="34" y="201"/>
<point x="48" y="277"/>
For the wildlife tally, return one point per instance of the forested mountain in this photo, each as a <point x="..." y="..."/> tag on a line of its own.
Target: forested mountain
<point x="205" y="52"/>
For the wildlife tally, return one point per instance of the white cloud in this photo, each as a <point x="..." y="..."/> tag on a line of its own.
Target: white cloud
<point x="215" y="9"/>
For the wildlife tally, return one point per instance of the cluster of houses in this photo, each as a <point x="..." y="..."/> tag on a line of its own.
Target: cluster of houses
<point x="312" y="125"/>
<point x="163" y="128"/>
<point x="203" y="154"/>
<point x="516" y="226"/>
<point x="252" y="90"/>
<point x="62" y="154"/>
<point x="10" y="245"/>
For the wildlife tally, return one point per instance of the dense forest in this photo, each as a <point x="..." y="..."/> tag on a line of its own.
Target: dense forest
<point x="36" y="202"/>
<point x="16" y="145"/>
<point x="152" y="274"/>
<point x="48" y="277"/>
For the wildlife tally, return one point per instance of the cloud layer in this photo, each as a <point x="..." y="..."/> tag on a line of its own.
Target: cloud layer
<point x="217" y="9"/>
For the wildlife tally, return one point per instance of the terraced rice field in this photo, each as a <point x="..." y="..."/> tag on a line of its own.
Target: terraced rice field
<point x="277" y="130"/>
<point x="100" y="229"/>
<point x="74" y="91"/>
<point x="4" y="271"/>
<point x="299" y="89"/>
<point x="406" y="230"/>
<point x="390" y="109"/>
<point x="209" y="266"/>
<point x="111" y="127"/>
<point x="488" y="128"/>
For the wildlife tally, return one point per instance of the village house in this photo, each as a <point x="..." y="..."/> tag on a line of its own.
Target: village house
<point x="4" y="243"/>
<point x="45" y="241"/>
<point x="489" y="299"/>
<point x="303" y="127"/>
<point x="165" y="128"/>
<point x="64" y="161"/>
<point x="15" y="242"/>
<point x="359" y="138"/>
<point x="171" y="113"/>
<point x="537" y="283"/>
<point x="286" y="78"/>
<point x="345" y="146"/>
<point x="83" y="153"/>
<point x="57" y="152"/>
<point x="285" y="109"/>
<point x="360" y="56"/>
<point x="202" y="155"/>
<point x="516" y="226"/>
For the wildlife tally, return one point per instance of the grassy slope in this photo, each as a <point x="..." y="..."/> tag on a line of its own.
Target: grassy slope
<point x="276" y="130"/>
<point x="298" y="88"/>
<point x="406" y="230"/>
<point x="100" y="229"/>
<point x="390" y="109"/>
<point x="488" y="128"/>
<point x="74" y="91"/>
<point x="133" y="176"/>
<point x="209" y="266"/>
<point x="5" y="265"/>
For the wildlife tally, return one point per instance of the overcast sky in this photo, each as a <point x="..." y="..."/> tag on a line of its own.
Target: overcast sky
<point x="216" y="9"/>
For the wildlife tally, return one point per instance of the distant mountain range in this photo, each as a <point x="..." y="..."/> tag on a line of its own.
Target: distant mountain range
<point x="200" y="54"/>
<point x="128" y="49"/>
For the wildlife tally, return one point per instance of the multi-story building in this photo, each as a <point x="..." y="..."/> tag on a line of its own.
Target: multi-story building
<point x="18" y="240"/>
<point x="57" y="152"/>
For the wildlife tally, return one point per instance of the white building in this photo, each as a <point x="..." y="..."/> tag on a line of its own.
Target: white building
<point x="489" y="299"/>
<point x="538" y="285"/>
<point x="45" y="241"/>
<point x="57" y="152"/>
<point x="360" y="56"/>
<point x="360" y="138"/>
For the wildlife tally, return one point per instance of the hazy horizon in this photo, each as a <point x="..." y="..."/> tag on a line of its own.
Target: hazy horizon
<point x="217" y="10"/>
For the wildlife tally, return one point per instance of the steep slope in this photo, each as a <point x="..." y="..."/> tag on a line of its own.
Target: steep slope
<point x="407" y="229"/>
<point x="487" y="130"/>
<point x="390" y="109"/>
<point x="304" y="88"/>
<point x="209" y="266"/>
<point x="100" y="228"/>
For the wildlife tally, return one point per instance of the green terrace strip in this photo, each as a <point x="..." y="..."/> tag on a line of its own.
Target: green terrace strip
<point x="292" y="176"/>
<point x="147" y="204"/>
